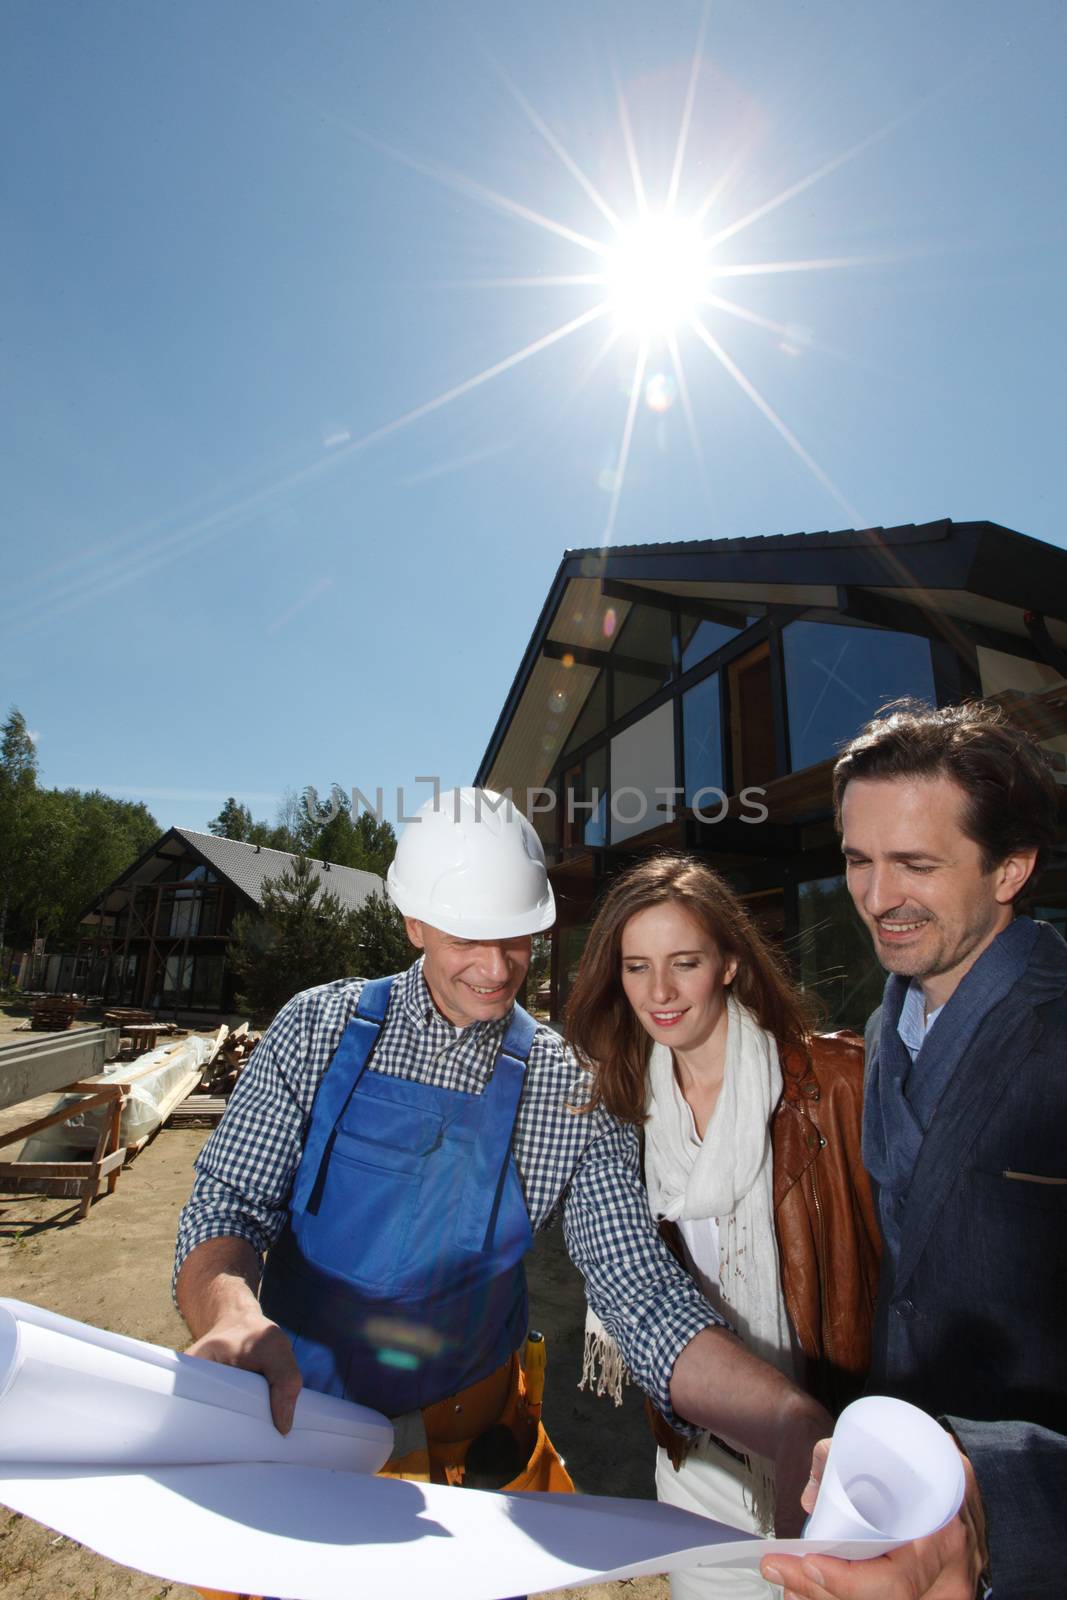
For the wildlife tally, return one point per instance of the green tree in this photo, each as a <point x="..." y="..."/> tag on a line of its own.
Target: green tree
<point x="234" y="821"/>
<point x="381" y="945"/>
<point x="376" y="843"/>
<point x="18" y="786"/>
<point x="540" y="965"/>
<point x="301" y="937"/>
<point x="97" y="838"/>
<point x="333" y="834"/>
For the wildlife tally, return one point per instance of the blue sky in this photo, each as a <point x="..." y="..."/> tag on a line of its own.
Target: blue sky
<point x="245" y="241"/>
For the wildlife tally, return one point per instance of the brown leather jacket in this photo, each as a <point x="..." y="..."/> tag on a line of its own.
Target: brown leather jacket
<point x="828" y="1240"/>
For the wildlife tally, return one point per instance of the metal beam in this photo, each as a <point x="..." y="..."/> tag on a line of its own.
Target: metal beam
<point x="585" y="656"/>
<point x="52" y="1061"/>
<point x="1044" y="643"/>
<point x="691" y="605"/>
<point x="904" y="616"/>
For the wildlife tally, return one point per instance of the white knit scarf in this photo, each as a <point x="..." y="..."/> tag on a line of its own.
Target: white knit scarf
<point x="727" y="1176"/>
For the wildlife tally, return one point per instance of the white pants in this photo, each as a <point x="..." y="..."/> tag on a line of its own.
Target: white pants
<point x="712" y="1484"/>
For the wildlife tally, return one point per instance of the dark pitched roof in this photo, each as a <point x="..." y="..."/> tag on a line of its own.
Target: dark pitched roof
<point x="248" y="867"/>
<point x="842" y="539"/>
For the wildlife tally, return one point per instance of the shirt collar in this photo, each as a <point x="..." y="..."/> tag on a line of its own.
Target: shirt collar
<point x="418" y="1004"/>
<point x="914" y="1023"/>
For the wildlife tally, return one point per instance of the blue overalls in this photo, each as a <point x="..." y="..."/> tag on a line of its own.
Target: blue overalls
<point x="398" y="1275"/>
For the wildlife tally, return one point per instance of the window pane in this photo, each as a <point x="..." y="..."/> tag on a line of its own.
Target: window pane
<point x="646" y="637"/>
<point x="702" y="732"/>
<point x="177" y="980"/>
<point x="837" y="678"/>
<point x="207" y="983"/>
<point x="701" y="639"/>
<point x="596" y="777"/>
<point x="593" y="717"/>
<point x="836" y="957"/>
<point x="185" y="913"/>
<point x="209" y="912"/>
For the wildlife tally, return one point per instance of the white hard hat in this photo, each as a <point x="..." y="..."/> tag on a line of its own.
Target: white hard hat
<point x="470" y="864"/>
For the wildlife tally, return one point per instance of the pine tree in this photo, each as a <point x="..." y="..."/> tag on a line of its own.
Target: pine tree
<point x="18" y="785"/>
<point x="303" y="936"/>
<point x="234" y="821"/>
<point x="382" y="946"/>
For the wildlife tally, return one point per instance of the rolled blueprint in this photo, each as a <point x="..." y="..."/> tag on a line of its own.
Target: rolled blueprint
<point x="172" y="1465"/>
<point x="71" y="1394"/>
<point x="892" y="1473"/>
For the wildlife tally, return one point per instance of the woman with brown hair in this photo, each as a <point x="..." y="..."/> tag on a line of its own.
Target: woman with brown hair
<point x="751" y="1134"/>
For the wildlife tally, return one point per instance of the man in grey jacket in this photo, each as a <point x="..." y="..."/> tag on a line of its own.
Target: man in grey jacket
<point x="946" y="819"/>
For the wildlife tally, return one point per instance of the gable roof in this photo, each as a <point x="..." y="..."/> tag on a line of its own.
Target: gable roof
<point x="973" y="582"/>
<point x="248" y="867"/>
<point x="245" y="866"/>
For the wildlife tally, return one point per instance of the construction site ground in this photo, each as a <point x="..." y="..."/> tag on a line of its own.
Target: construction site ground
<point x="114" y="1270"/>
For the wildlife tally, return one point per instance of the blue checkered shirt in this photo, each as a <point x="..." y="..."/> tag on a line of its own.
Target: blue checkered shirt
<point x="588" y="1162"/>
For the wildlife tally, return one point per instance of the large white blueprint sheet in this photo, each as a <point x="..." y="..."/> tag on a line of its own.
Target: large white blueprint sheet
<point x="171" y="1465"/>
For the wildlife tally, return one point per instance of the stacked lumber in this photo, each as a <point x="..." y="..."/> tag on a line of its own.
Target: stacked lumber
<point x="230" y="1060"/>
<point x="134" y="1016"/>
<point x="54" y="1013"/>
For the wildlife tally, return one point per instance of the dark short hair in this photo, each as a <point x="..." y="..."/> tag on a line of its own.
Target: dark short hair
<point x="1011" y="800"/>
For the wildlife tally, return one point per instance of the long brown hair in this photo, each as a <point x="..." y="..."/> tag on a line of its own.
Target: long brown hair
<point x="599" y="1022"/>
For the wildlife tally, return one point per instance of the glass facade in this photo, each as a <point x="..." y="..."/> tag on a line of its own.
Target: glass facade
<point x="836" y="961"/>
<point x="700" y="638"/>
<point x="595" y="777"/>
<point x="645" y="636"/>
<point x="184" y="913"/>
<point x="194" y="981"/>
<point x="702" y="736"/>
<point x="838" y="677"/>
<point x="593" y="717"/>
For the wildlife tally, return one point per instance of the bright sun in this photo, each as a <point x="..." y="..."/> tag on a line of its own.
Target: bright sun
<point x="657" y="280"/>
<point x="656" y="275"/>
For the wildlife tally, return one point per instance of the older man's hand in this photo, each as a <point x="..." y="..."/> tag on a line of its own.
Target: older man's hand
<point x="258" y="1345"/>
<point x="944" y="1566"/>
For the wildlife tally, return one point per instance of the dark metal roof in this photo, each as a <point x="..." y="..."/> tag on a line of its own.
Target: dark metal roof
<point x="845" y="538"/>
<point x="980" y="558"/>
<point x="248" y="868"/>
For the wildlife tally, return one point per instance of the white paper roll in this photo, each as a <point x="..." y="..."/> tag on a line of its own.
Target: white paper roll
<point x="892" y="1473"/>
<point x="77" y="1395"/>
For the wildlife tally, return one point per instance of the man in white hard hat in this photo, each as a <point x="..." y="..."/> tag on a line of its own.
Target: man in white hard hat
<point x="391" y="1150"/>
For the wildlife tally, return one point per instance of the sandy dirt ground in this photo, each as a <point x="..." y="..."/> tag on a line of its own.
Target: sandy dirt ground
<point x="114" y="1270"/>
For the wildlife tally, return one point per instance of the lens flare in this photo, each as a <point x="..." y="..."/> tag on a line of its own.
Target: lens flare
<point x="660" y="392"/>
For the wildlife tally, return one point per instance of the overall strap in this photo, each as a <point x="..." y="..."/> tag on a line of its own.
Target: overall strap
<point x="518" y="1041"/>
<point x="501" y="1096"/>
<point x="346" y="1067"/>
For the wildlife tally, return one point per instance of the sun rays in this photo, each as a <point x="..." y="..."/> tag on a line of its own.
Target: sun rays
<point x="651" y="274"/>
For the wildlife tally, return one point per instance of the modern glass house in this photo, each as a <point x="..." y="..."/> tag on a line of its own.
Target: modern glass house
<point x="693" y="696"/>
<point x="159" y="936"/>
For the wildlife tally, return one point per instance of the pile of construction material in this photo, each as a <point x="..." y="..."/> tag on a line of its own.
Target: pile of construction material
<point x="230" y="1060"/>
<point x="54" y="1013"/>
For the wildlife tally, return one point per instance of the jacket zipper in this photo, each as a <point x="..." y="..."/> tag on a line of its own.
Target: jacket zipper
<point x="824" y="1321"/>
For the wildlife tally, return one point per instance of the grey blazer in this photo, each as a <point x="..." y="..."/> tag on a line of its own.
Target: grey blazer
<point x="970" y="1318"/>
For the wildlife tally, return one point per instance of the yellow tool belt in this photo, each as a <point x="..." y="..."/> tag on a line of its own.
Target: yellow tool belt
<point x="453" y="1424"/>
